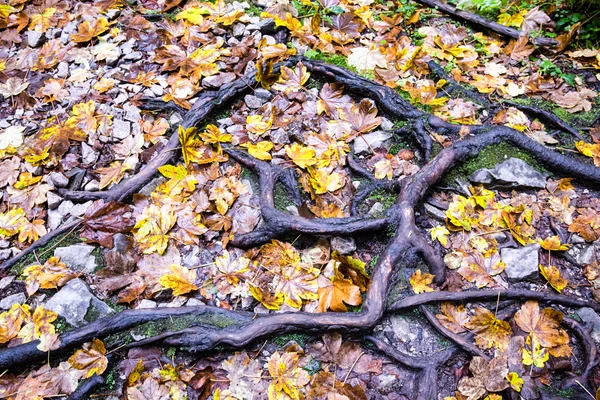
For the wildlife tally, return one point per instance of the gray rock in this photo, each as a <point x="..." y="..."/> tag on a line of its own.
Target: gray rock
<point x="133" y="56"/>
<point x="92" y="186"/>
<point x="266" y="25"/>
<point x="521" y="263"/>
<point x="76" y="304"/>
<point x="253" y="101"/>
<point x="121" y="129"/>
<point x="343" y="245"/>
<point x="132" y="113"/>
<point x="583" y="253"/>
<point x="65" y="207"/>
<point x="7" y="280"/>
<point x="4" y="244"/>
<point x="35" y="39"/>
<point x="157" y="90"/>
<point x="591" y="319"/>
<point x="54" y="200"/>
<point x="386" y="124"/>
<point x="145" y="303"/>
<point x="5" y="254"/>
<point x="194" y="302"/>
<point x="62" y="70"/>
<point x="175" y="119"/>
<point x="435" y="212"/>
<point x="88" y="155"/>
<point x="17" y="298"/>
<point x="59" y="180"/>
<point x="54" y="219"/>
<point x="79" y="209"/>
<point x="263" y="94"/>
<point x="376" y="208"/>
<point x="376" y="140"/>
<point x="238" y="29"/>
<point x="513" y="172"/>
<point x="77" y="257"/>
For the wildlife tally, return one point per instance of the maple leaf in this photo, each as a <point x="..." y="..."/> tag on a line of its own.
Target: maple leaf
<point x="302" y="156"/>
<point x="292" y="80"/>
<point x="452" y="317"/>
<point x="440" y="233"/>
<point x="287" y="376"/>
<point x="265" y="74"/>
<point x="51" y="275"/>
<point x="189" y="144"/>
<point x="297" y="282"/>
<point x="337" y="293"/>
<point x="589" y="150"/>
<point x="331" y="98"/>
<point x="542" y="326"/>
<point x="40" y="22"/>
<point x="383" y="169"/>
<point x="487" y="377"/>
<point x="323" y="181"/>
<point x="324" y="386"/>
<point x="29" y="232"/>
<point x="149" y="389"/>
<point x="515" y="381"/>
<point x="104" y="219"/>
<point x="260" y="150"/>
<point x="180" y="181"/>
<point x="10" y="221"/>
<point x="39" y="325"/>
<point x="90" y="359"/>
<point x="244" y="375"/>
<point x="83" y="118"/>
<point x="13" y="87"/>
<point x="270" y="301"/>
<point x="152" y="227"/>
<point x="86" y="31"/>
<point x="11" y="321"/>
<point x="366" y="58"/>
<point x="420" y="282"/>
<point x="536" y="355"/>
<point x="554" y="278"/>
<point x="363" y="118"/>
<point x="112" y="174"/>
<point x="489" y="330"/>
<point x="181" y="280"/>
<point x="257" y="125"/>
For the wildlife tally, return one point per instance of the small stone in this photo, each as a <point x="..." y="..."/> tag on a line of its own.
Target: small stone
<point x="88" y="155"/>
<point x="77" y="257"/>
<point x="54" y="200"/>
<point x="9" y="301"/>
<point x="263" y="94"/>
<point x="157" y="90"/>
<point x="7" y="280"/>
<point x="145" y="303"/>
<point x="133" y="56"/>
<point x="175" y="119"/>
<point x="54" y="219"/>
<point x="253" y="101"/>
<point x="194" y="302"/>
<point x="4" y="244"/>
<point x="376" y="208"/>
<point x="266" y="26"/>
<point x="373" y="140"/>
<point x="238" y="30"/>
<point x="591" y="319"/>
<point x="225" y="122"/>
<point x="386" y="124"/>
<point x="583" y="253"/>
<point x="176" y="302"/>
<point x="132" y="113"/>
<point x="5" y="254"/>
<point x="92" y="186"/>
<point x="59" y="180"/>
<point x="65" y="207"/>
<point x="435" y="212"/>
<point x="35" y="39"/>
<point x="513" y="172"/>
<point x="62" y="70"/>
<point x="293" y="210"/>
<point x="121" y="129"/>
<point x="343" y="245"/>
<point x="521" y="263"/>
<point x="76" y="304"/>
<point x="79" y="209"/>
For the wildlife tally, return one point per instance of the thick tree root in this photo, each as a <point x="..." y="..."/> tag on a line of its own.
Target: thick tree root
<point x="485" y="23"/>
<point x="427" y="380"/>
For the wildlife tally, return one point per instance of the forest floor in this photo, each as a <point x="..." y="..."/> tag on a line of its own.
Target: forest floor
<point x="315" y="199"/>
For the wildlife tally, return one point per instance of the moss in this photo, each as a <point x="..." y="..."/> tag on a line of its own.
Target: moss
<point x="386" y="199"/>
<point x="560" y="393"/>
<point x="282" y="340"/>
<point x="47" y="251"/>
<point x="575" y="119"/>
<point x="281" y="198"/>
<point x="251" y="177"/>
<point x="61" y="325"/>
<point x="99" y="257"/>
<point x="488" y="158"/>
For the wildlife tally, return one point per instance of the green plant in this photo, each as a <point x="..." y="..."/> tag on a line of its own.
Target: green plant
<point x="548" y="68"/>
<point x="485" y="7"/>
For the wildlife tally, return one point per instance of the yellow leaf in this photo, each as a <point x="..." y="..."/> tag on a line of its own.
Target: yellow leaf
<point x="181" y="280"/>
<point x="489" y="330"/>
<point x="302" y="156"/>
<point x="516" y="382"/>
<point x="552" y="243"/>
<point x="112" y="174"/>
<point x="554" y="278"/>
<point x="440" y="233"/>
<point x="420" y="282"/>
<point x="257" y="125"/>
<point x="189" y="144"/>
<point x="260" y="150"/>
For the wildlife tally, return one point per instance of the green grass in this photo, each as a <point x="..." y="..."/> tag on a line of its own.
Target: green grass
<point x="282" y="340"/>
<point x="47" y="251"/>
<point x="386" y="199"/>
<point x="281" y="198"/>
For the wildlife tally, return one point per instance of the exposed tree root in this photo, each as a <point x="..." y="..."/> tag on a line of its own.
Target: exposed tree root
<point x="408" y="240"/>
<point x="485" y="23"/>
<point x="427" y="380"/>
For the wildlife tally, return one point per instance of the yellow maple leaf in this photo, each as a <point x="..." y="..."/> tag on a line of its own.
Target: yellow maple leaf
<point x="589" y="150"/>
<point x="189" y="144"/>
<point x="287" y="376"/>
<point x="260" y="150"/>
<point x="181" y="281"/>
<point x="552" y="243"/>
<point x="152" y="228"/>
<point x="420" y="282"/>
<point x="515" y="381"/>
<point x="302" y="156"/>
<point x="257" y="124"/>
<point x="489" y="331"/>
<point x="51" y="275"/>
<point x="324" y="181"/>
<point x="112" y="174"/>
<point x="440" y="233"/>
<point x="554" y="278"/>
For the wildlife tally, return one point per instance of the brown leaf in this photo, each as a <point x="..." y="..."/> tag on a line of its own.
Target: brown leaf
<point x="90" y="359"/>
<point x="103" y="219"/>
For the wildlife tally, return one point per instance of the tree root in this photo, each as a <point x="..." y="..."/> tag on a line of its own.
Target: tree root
<point x="427" y="380"/>
<point x="485" y="23"/>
